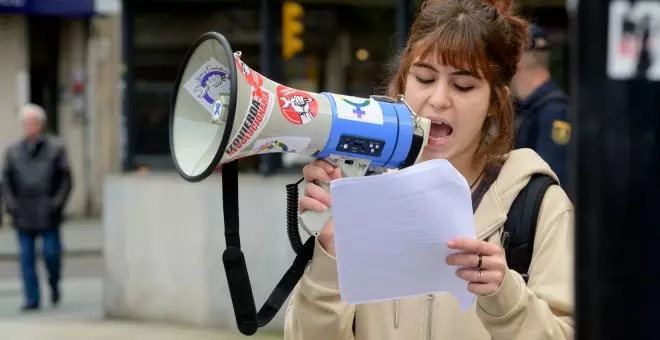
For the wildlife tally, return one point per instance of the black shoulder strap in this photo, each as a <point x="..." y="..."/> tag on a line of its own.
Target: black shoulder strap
<point x="555" y="94"/>
<point x="520" y="226"/>
<point x="238" y="280"/>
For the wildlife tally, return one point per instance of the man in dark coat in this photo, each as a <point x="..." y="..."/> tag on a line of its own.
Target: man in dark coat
<point x="36" y="185"/>
<point x="542" y="121"/>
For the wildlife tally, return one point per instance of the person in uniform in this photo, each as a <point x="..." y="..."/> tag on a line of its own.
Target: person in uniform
<point x="542" y="121"/>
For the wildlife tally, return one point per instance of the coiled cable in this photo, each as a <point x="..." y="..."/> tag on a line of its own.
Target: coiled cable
<point x="292" y="216"/>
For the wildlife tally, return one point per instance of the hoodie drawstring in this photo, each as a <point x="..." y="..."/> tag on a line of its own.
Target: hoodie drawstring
<point x="396" y="313"/>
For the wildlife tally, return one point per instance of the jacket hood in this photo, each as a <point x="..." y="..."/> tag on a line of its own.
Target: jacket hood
<point x="517" y="168"/>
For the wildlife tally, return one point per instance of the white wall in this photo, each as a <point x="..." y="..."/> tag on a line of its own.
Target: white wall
<point x="164" y="242"/>
<point x="99" y="64"/>
<point x="14" y="75"/>
<point x="72" y="64"/>
<point x="91" y="134"/>
<point x="104" y="104"/>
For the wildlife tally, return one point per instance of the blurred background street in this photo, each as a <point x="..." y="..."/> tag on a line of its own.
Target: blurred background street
<point x="142" y="255"/>
<point x="81" y="316"/>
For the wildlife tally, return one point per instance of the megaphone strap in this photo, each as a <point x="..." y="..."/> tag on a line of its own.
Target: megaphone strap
<point x="238" y="280"/>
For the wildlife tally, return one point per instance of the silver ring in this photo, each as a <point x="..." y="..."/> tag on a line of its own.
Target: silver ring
<point x="479" y="277"/>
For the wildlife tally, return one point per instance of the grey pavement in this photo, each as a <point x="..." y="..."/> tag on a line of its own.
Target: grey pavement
<point x="80" y="237"/>
<point x="81" y="300"/>
<point x="81" y="316"/>
<point x="110" y="330"/>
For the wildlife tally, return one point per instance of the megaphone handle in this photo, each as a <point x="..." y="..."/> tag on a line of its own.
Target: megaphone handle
<point x="312" y="221"/>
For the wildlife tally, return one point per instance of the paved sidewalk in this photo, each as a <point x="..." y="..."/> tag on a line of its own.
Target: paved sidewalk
<point x="111" y="330"/>
<point x="80" y="237"/>
<point x="82" y="299"/>
<point x="80" y="317"/>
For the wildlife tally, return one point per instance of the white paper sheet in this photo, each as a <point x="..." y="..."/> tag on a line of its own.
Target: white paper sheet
<point x="391" y="232"/>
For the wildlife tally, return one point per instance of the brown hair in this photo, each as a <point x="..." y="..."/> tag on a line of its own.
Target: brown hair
<point x="481" y="36"/>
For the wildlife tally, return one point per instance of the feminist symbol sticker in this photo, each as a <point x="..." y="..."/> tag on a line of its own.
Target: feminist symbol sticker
<point x="363" y="110"/>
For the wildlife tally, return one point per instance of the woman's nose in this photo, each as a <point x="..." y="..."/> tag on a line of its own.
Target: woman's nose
<point x="439" y="97"/>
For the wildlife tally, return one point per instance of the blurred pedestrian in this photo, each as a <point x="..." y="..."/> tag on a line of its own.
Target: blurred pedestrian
<point x="455" y="71"/>
<point x="37" y="183"/>
<point x="542" y="122"/>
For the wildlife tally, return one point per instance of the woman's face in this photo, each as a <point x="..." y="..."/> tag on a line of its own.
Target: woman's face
<point x="455" y="101"/>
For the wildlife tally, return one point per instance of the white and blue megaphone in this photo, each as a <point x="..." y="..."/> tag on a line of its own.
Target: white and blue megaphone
<point x="223" y="111"/>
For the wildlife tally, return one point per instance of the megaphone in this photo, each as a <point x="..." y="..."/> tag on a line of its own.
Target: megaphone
<point x="222" y="110"/>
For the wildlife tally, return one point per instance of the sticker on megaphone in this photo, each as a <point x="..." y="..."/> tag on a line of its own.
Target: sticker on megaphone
<point x="216" y="113"/>
<point x="209" y="82"/>
<point x="298" y="107"/>
<point x="295" y="144"/>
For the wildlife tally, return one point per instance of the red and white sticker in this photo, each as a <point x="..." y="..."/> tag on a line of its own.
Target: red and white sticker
<point x="261" y="104"/>
<point x="251" y="76"/>
<point x="298" y="107"/>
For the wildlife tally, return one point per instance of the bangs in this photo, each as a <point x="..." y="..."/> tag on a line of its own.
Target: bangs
<point x="457" y="46"/>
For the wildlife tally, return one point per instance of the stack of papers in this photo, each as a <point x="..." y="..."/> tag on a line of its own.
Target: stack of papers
<point x="391" y="232"/>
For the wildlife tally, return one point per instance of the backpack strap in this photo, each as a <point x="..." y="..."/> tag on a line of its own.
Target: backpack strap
<point x="520" y="225"/>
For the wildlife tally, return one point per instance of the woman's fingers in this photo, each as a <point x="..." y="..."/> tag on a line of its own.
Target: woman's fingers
<point x="475" y="246"/>
<point x="308" y="203"/>
<point x="472" y="260"/>
<point x="325" y="165"/>
<point x="333" y="171"/>
<point x="487" y="276"/>
<point x="317" y="198"/>
<point x="313" y="173"/>
<point x="318" y="193"/>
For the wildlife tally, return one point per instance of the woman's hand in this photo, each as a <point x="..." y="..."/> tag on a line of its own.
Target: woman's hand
<point x="318" y="199"/>
<point x="483" y="265"/>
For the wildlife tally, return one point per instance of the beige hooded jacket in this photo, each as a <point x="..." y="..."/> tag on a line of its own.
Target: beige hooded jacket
<point x="540" y="310"/>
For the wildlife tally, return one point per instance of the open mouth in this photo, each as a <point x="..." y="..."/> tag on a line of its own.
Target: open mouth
<point x="440" y="131"/>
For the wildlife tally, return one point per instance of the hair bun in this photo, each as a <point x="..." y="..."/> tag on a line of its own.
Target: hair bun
<point x="503" y="6"/>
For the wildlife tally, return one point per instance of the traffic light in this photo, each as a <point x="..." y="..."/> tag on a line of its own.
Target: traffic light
<point x="292" y="29"/>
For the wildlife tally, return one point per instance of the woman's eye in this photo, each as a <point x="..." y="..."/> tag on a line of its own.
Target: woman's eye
<point x="464" y="88"/>
<point x="423" y="80"/>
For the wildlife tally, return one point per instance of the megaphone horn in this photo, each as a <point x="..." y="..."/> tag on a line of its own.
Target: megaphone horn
<point x="222" y="110"/>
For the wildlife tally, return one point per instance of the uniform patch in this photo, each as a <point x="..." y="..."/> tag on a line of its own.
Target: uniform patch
<point x="561" y="132"/>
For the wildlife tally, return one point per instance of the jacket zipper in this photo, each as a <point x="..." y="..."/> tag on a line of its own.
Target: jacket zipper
<point x="429" y="316"/>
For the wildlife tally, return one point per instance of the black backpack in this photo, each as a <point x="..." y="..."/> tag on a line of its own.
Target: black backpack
<point x="520" y="225"/>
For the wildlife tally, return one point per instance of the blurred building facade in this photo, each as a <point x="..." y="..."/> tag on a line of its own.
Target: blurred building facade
<point x="350" y="47"/>
<point x="104" y="69"/>
<point x="64" y="55"/>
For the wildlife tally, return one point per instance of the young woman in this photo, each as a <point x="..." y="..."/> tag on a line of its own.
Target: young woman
<point x="455" y="70"/>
